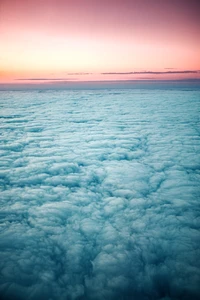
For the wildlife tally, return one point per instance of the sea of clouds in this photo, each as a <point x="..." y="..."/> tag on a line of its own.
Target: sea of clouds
<point x="100" y="194"/>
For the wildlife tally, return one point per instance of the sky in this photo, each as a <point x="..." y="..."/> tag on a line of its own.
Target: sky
<point x="78" y="40"/>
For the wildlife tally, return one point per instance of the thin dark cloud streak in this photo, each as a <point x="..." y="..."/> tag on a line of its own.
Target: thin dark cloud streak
<point x="59" y="79"/>
<point x="44" y="79"/>
<point x="152" y="72"/>
<point x="79" y="73"/>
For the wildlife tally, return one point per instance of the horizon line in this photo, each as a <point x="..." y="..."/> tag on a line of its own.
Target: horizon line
<point x="110" y="73"/>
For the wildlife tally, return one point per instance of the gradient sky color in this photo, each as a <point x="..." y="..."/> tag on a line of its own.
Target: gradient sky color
<point x="99" y="39"/>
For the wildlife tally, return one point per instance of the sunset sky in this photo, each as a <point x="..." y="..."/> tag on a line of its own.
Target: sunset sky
<point x="99" y="39"/>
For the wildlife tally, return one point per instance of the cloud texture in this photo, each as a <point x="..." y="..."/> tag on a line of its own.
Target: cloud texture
<point x="100" y="194"/>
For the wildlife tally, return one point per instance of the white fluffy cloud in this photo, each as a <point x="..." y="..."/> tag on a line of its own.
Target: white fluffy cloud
<point x="99" y="194"/>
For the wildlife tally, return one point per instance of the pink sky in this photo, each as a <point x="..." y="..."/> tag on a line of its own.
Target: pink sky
<point x="127" y="39"/>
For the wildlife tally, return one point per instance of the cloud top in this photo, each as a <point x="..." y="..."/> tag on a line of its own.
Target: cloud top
<point x="99" y="194"/>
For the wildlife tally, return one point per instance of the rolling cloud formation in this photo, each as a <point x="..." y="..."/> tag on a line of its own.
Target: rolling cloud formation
<point x="100" y="194"/>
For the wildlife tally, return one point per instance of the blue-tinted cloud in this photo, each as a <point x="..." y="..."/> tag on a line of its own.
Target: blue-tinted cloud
<point x="99" y="194"/>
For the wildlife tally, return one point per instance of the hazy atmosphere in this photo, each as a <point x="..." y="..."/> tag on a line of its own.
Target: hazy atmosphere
<point x="99" y="150"/>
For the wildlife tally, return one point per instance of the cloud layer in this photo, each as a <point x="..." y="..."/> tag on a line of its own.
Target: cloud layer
<point x="100" y="194"/>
